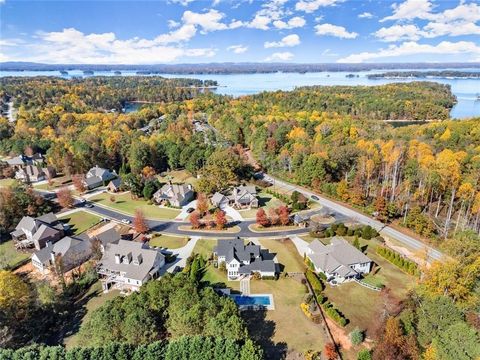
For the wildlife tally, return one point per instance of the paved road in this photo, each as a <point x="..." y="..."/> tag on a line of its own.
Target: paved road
<point x="382" y="228"/>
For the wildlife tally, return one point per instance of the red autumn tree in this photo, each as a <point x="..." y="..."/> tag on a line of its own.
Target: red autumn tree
<point x="330" y="352"/>
<point x="139" y="222"/>
<point x="65" y="198"/>
<point x="78" y="183"/>
<point x="220" y="219"/>
<point x="262" y="218"/>
<point x="283" y="215"/>
<point x="202" y="204"/>
<point x="194" y="220"/>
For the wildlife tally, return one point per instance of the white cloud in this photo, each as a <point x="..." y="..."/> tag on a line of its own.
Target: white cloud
<point x="334" y="30"/>
<point x="73" y="46"/>
<point x="294" y="22"/>
<point x="209" y="21"/>
<point x="310" y="6"/>
<point x="365" y="15"/>
<point x="181" y="2"/>
<point x="238" y="49"/>
<point x="287" y="41"/>
<point x="434" y="29"/>
<point x="173" y="24"/>
<point x="398" y="32"/>
<point x="412" y="48"/>
<point x="183" y="33"/>
<point x="260" y="22"/>
<point x="411" y="9"/>
<point x="280" y="56"/>
<point x="2" y="2"/>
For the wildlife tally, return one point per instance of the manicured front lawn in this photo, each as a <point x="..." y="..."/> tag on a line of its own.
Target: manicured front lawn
<point x="178" y="177"/>
<point x="92" y="300"/>
<point x="7" y="182"/>
<point x="56" y="183"/>
<point x="125" y="203"/>
<point x="11" y="256"/>
<point x="80" y="221"/>
<point x="287" y="254"/>
<point x="168" y="241"/>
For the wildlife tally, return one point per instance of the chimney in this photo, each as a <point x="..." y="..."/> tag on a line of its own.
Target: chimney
<point x="138" y="259"/>
<point x="48" y="244"/>
<point x="52" y="257"/>
<point x="117" y="258"/>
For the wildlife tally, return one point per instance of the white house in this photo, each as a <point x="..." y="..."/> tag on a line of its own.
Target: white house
<point x="127" y="265"/>
<point x="70" y="252"/>
<point x="174" y="194"/>
<point x="339" y="260"/>
<point x="98" y="176"/>
<point x="244" y="260"/>
<point x="36" y="232"/>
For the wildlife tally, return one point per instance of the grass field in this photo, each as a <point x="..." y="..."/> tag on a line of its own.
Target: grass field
<point x="204" y="247"/>
<point x="80" y="221"/>
<point x="125" y="203"/>
<point x="57" y="182"/>
<point x="178" y="176"/>
<point x="92" y="300"/>
<point x="287" y="254"/>
<point x="169" y="241"/>
<point x="10" y="255"/>
<point x="6" y="182"/>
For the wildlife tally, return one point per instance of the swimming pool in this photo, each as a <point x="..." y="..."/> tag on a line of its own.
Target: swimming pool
<point x="254" y="301"/>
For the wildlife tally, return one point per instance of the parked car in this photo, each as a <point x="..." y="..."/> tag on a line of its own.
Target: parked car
<point x="190" y="210"/>
<point x="126" y="221"/>
<point x="82" y="201"/>
<point x="314" y="197"/>
<point x="89" y="205"/>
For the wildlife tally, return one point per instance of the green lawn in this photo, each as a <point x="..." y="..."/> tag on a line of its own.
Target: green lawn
<point x="6" y="182"/>
<point x="92" y="300"/>
<point x="287" y="254"/>
<point x="168" y="241"/>
<point x="9" y="256"/>
<point x="57" y="182"/>
<point x="80" y="221"/>
<point x="125" y="203"/>
<point x="204" y="247"/>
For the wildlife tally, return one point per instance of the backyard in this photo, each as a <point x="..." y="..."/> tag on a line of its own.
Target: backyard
<point x="124" y="202"/>
<point x="80" y="221"/>
<point x="56" y="183"/>
<point x="9" y="256"/>
<point x="168" y="241"/>
<point x="177" y="177"/>
<point x="6" y="182"/>
<point x="92" y="300"/>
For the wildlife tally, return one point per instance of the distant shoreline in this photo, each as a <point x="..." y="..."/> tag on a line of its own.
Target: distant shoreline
<point x="234" y="68"/>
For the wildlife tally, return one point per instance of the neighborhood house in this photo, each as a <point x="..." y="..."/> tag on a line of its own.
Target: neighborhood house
<point x="127" y="265"/>
<point x="242" y="197"/>
<point x="23" y="160"/>
<point x="339" y="260"/>
<point x="32" y="173"/>
<point x="174" y="194"/>
<point x="37" y="231"/>
<point x="98" y="176"/>
<point x="66" y="253"/>
<point x="114" y="185"/>
<point x="244" y="260"/>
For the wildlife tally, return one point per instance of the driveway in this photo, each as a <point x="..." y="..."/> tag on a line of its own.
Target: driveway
<point x="184" y="214"/>
<point x="182" y="254"/>
<point x="234" y="214"/>
<point x="300" y="244"/>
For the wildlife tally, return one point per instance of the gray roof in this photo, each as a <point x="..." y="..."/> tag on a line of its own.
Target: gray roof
<point x="33" y="224"/>
<point x="336" y="257"/>
<point x="174" y="191"/>
<point x="103" y="174"/>
<point x="236" y="249"/>
<point x="134" y="250"/>
<point x="68" y="247"/>
<point x="217" y="198"/>
<point x="116" y="182"/>
<point x="92" y="180"/>
<point x="109" y="236"/>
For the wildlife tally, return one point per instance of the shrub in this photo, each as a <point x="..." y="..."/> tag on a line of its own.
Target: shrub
<point x="396" y="259"/>
<point x="315" y="282"/>
<point x="334" y="314"/>
<point x="356" y="336"/>
<point x="364" y="354"/>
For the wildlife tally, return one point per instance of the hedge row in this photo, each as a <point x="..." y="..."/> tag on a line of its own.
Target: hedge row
<point x="334" y="314"/>
<point x="314" y="281"/>
<point x="286" y="199"/>
<point x="396" y="259"/>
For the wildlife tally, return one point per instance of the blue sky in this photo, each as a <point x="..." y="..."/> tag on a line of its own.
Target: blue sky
<point x="190" y="31"/>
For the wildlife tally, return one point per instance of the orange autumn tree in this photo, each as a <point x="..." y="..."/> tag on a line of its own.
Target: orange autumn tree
<point x="139" y="222"/>
<point x="65" y="198"/>
<point x="262" y="218"/>
<point x="220" y="219"/>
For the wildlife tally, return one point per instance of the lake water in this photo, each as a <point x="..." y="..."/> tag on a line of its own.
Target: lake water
<point x="466" y="90"/>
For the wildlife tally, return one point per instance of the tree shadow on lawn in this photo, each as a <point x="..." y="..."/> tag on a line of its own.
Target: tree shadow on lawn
<point x="262" y="331"/>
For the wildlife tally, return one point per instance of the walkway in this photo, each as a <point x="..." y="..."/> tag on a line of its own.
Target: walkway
<point x="300" y="244"/>
<point x="184" y="213"/>
<point x="245" y="286"/>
